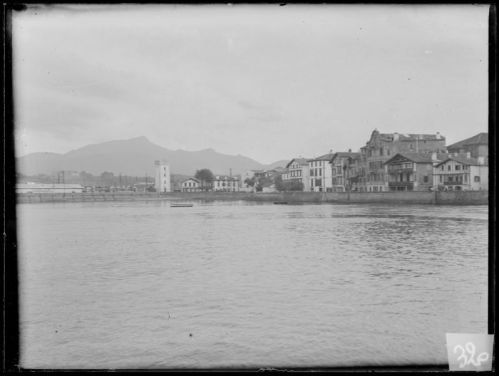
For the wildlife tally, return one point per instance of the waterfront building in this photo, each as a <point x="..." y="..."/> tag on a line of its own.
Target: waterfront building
<point x="461" y="172"/>
<point x="411" y="171"/>
<point x="191" y="185"/>
<point x="48" y="188"/>
<point x="223" y="183"/>
<point x="320" y="173"/>
<point x="342" y="171"/>
<point x="355" y="172"/>
<point x="298" y="170"/>
<point x="383" y="146"/>
<point x="477" y="146"/>
<point x="162" y="176"/>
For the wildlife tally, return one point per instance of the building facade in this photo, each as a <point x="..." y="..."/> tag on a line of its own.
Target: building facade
<point x="320" y="173"/>
<point x="461" y="172"/>
<point x="477" y="146"/>
<point x="298" y="170"/>
<point x="343" y="171"/>
<point x="191" y="185"/>
<point x="411" y="171"/>
<point x="162" y="176"/>
<point x="223" y="183"/>
<point x="383" y="146"/>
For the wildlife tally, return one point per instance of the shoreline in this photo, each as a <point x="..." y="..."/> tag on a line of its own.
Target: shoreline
<point x="420" y="198"/>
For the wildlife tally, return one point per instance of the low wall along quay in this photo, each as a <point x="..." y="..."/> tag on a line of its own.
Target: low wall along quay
<point x="429" y="198"/>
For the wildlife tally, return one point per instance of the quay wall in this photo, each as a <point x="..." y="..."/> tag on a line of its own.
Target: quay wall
<point x="425" y="198"/>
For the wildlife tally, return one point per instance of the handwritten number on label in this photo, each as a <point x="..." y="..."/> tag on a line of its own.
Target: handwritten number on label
<point x="468" y="354"/>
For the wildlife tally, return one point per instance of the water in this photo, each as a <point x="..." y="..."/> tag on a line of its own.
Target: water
<point x="239" y="284"/>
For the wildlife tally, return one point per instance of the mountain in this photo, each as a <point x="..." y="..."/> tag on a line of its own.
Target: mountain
<point x="136" y="157"/>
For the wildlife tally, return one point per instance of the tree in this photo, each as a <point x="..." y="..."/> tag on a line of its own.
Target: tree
<point x="206" y="177"/>
<point x="250" y="181"/>
<point x="287" y="186"/>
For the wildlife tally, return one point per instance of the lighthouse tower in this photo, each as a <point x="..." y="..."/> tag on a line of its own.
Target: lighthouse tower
<point x="162" y="177"/>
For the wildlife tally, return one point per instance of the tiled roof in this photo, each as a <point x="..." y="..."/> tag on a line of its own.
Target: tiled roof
<point x="343" y="154"/>
<point x="196" y="180"/>
<point x="325" y="157"/>
<point x="300" y="161"/>
<point x="411" y="137"/>
<point x="479" y="139"/>
<point x="462" y="160"/>
<point x="420" y="157"/>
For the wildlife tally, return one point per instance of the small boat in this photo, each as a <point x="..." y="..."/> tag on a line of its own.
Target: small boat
<point x="179" y="205"/>
<point x="280" y="202"/>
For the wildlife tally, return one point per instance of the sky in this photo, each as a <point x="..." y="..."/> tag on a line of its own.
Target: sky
<point x="265" y="81"/>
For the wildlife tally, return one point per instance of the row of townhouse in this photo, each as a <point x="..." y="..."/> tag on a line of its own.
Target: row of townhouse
<point x="221" y="183"/>
<point x="393" y="161"/>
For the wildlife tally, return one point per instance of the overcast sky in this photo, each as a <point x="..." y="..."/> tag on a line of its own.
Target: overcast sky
<point x="267" y="82"/>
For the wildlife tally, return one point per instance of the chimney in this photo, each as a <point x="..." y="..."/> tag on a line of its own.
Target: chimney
<point x="433" y="156"/>
<point x="395" y="136"/>
<point x="438" y="136"/>
<point x="349" y="150"/>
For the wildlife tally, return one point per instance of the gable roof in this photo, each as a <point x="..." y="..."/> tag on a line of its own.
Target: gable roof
<point x="479" y="139"/>
<point x="325" y="157"/>
<point x="421" y="157"/>
<point x="461" y="159"/>
<point x="300" y="161"/>
<point x="344" y="154"/>
<point x="390" y="137"/>
<point x="196" y="180"/>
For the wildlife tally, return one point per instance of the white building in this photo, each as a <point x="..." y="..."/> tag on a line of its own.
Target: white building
<point x="48" y="188"/>
<point x="223" y="183"/>
<point x="321" y="173"/>
<point x="458" y="172"/>
<point x="162" y="177"/>
<point x="298" y="170"/>
<point x="191" y="185"/>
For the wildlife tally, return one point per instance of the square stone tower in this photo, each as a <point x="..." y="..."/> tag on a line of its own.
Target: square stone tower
<point x="162" y="176"/>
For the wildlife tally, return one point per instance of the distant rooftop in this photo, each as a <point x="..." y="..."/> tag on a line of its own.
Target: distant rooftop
<point x="479" y="139"/>
<point x="300" y="161"/>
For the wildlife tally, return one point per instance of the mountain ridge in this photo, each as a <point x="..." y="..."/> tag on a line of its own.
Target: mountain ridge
<point x="136" y="156"/>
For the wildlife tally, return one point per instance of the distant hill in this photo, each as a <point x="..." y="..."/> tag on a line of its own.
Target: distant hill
<point x="136" y="157"/>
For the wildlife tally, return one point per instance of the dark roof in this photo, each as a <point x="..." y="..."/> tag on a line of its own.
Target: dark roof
<point x="420" y="157"/>
<point x="479" y="139"/>
<point x="301" y="161"/>
<point x="325" y="157"/>
<point x="462" y="160"/>
<point x="196" y="180"/>
<point x="344" y="154"/>
<point x="389" y="137"/>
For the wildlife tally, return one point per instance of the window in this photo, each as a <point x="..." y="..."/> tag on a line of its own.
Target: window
<point x="458" y="167"/>
<point x="441" y="179"/>
<point x="448" y="167"/>
<point x="425" y="179"/>
<point x="442" y="168"/>
<point x="477" y="179"/>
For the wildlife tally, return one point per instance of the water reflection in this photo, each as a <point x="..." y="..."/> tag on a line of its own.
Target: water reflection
<point x="256" y="284"/>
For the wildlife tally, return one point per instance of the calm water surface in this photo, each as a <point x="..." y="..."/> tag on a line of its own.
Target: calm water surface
<point x="240" y="284"/>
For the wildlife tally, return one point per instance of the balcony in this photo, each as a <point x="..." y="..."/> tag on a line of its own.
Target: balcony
<point x="454" y="183"/>
<point x="399" y="170"/>
<point x="408" y="184"/>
